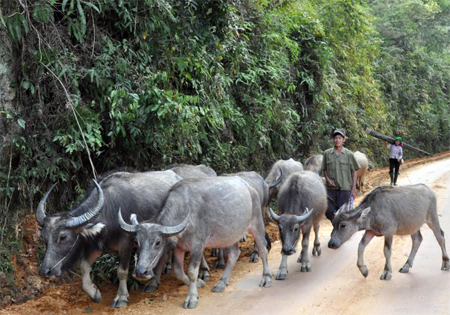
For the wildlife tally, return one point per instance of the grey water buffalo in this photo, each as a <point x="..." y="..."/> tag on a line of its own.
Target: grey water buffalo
<point x="200" y="213"/>
<point x="188" y="171"/>
<point x="314" y="164"/>
<point x="92" y="227"/>
<point x="262" y="188"/>
<point x="287" y="167"/>
<point x="192" y="171"/>
<point x="303" y="190"/>
<point x="362" y="160"/>
<point x="389" y="211"/>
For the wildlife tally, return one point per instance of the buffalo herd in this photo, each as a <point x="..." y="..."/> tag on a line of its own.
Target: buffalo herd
<point x="161" y="215"/>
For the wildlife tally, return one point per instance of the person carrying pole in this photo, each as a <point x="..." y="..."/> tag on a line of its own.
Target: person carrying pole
<point x="395" y="158"/>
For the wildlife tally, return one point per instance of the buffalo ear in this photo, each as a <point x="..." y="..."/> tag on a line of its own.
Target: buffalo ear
<point x="92" y="229"/>
<point x="364" y="214"/>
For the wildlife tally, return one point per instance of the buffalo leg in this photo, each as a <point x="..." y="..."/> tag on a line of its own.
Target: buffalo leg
<point x="121" y="298"/>
<point x="233" y="253"/>
<point x="254" y="258"/>
<point x="178" y="262"/>
<point x="220" y="263"/>
<point x="416" y="240"/>
<point x="255" y="255"/>
<point x="86" y="283"/>
<point x="387" y="273"/>
<point x="316" y="250"/>
<point x="368" y="236"/>
<point x="191" y="300"/>
<point x="433" y="223"/>
<point x="204" y="270"/>
<point x="258" y="233"/>
<point x="304" y="256"/>
<point x="282" y="270"/>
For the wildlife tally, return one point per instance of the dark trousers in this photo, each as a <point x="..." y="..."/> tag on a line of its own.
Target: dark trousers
<point x="394" y="164"/>
<point x="336" y="198"/>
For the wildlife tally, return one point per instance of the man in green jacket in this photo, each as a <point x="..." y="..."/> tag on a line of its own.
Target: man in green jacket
<point x="339" y="169"/>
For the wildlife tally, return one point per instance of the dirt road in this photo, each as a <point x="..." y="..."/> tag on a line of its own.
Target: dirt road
<point x="335" y="286"/>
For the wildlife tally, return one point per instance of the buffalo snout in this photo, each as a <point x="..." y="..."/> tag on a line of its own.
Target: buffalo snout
<point x="288" y="251"/>
<point x="332" y="244"/>
<point x="143" y="273"/>
<point x="48" y="272"/>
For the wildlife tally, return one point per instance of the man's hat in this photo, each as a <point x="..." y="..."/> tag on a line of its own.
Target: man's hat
<point x="339" y="131"/>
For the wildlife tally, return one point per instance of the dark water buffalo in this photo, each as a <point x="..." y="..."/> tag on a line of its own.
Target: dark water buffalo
<point x="92" y="227"/>
<point x="303" y="190"/>
<point x="287" y="167"/>
<point x="314" y="164"/>
<point x="389" y="211"/>
<point x="200" y="213"/>
<point x="192" y="171"/>
<point x="362" y="160"/>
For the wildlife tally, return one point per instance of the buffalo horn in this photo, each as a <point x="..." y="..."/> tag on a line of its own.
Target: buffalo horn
<point x="342" y="209"/>
<point x="40" y="212"/>
<point x="124" y="225"/>
<point x="277" y="181"/>
<point x="274" y="216"/>
<point x="301" y="218"/>
<point x="89" y="216"/>
<point x="168" y="231"/>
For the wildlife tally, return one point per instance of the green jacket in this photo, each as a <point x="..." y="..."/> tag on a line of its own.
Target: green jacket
<point x="340" y="167"/>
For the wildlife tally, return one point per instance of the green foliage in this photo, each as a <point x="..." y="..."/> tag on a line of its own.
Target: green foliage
<point x="232" y="84"/>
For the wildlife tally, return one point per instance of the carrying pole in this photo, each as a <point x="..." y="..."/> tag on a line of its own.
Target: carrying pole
<point x="392" y="140"/>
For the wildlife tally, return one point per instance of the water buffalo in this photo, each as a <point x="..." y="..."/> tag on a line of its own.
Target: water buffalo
<point x="92" y="227"/>
<point x="262" y="188"/>
<point x="389" y="211"/>
<point x="287" y="167"/>
<point x="200" y="213"/>
<point x="301" y="191"/>
<point x="192" y="171"/>
<point x="314" y="164"/>
<point x="187" y="171"/>
<point x="362" y="160"/>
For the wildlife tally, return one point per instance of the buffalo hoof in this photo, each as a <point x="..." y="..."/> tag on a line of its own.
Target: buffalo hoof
<point x="254" y="258"/>
<point x="214" y="252"/>
<point x="204" y="275"/>
<point x="119" y="301"/>
<point x="220" y="265"/>
<point x="317" y="251"/>
<point x="190" y="302"/>
<point x="97" y="296"/>
<point x="200" y="283"/>
<point x="364" y="271"/>
<point x="306" y="268"/>
<point x="386" y="275"/>
<point x="219" y="287"/>
<point x="405" y="268"/>
<point x="281" y="276"/>
<point x="445" y="265"/>
<point x="151" y="286"/>
<point x="266" y="282"/>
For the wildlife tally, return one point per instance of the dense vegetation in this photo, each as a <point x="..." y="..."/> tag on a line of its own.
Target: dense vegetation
<point x="233" y="84"/>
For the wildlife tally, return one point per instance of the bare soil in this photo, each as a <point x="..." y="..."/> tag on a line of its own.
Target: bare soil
<point x="65" y="296"/>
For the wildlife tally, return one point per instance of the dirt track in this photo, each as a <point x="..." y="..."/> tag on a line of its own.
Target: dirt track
<point x="335" y="286"/>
